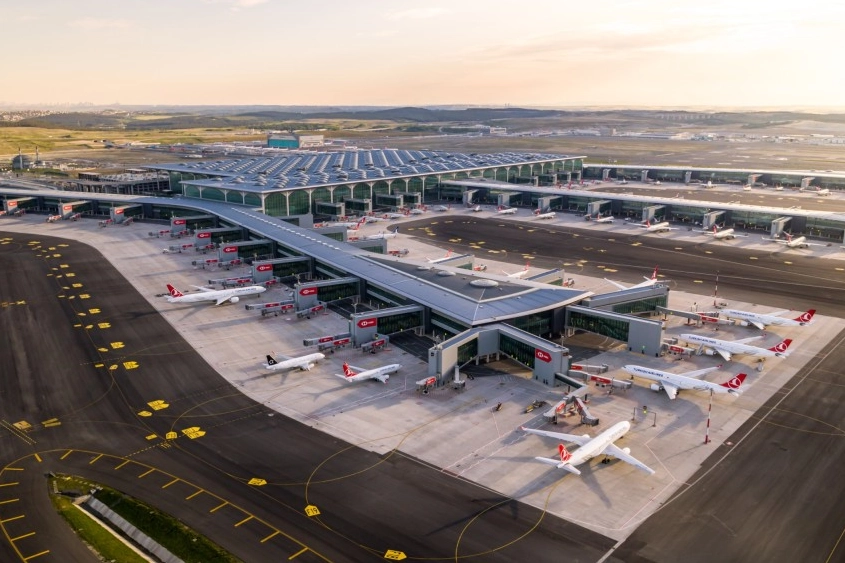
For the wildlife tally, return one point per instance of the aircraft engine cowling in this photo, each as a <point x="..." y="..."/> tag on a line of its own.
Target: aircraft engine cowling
<point x="656" y="387"/>
<point x="710" y="352"/>
<point x="234" y="299"/>
<point x="308" y="366"/>
<point x="626" y="450"/>
<point x="743" y="323"/>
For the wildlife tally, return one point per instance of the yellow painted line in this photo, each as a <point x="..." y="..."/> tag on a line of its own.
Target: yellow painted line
<point x="13" y="469"/>
<point x="22" y="537"/>
<point x="219" y="506"/>
<point x="12" y="518"/>
<point x="122" y="464"/>
<point x="244" y="521"/>
<point x="193" y="495"/>
<point x="66" y="454"/>
<point x="10" y="500"/>
<point x="170" y="483"/>
<point x="298" y="553"/>
<point x="45" y="552"/>
<point x="38" y="458"/>
<point x="276" y="533"/>
<point x="9" y="484"/>
<point x="95" y="459"/>
<point x="145" y="473"/>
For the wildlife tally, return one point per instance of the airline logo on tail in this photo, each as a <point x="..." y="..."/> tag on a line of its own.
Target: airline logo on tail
<point x="271" y="361"/>
<point x="781" y="348"/>
<point x="565" y="456"/>
<point x="347" y="371"/>
<point x="805" y="318"/>
<point x="174" y="292"/>
<point x="735" y="383"/>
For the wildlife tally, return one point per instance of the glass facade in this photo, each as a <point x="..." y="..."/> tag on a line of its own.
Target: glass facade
<point x="447" y="324"/>
<point x="614" y="328"/>
<point x="391" y="324"/>
<point x="641" y="306"/>
<point x="519" y="351"/>
<point x="538" y="323"/>
<point x="299" y="202"/>
<point x="467" y="351"/>
<point x="276" y="205"/>
<point x="339" y="291"/>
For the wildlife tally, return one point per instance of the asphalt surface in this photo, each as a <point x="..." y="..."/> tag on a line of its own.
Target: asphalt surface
<point x="773" y="491"/>
<point x="102" y="387"/>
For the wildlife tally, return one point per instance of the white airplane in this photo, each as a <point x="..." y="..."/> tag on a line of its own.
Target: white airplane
<point x="549" y="215"/>
<point x="352" y="225"/>
<point x="656" y="227"/>
<point x="219" y="296"/>
<point x="822" y="191"/>
<point x="442" y="208"/>
<point x="518" y="275"/>
<point x="762" y="321"/>
<point x="54" y="218"/>
<point x="382" y="235"/>
<point x="590" y="448"/>
<point x="374" y="219"/>
<point x="304" y="363"/>
<point x="647" y="283"/>
<point x="723" y="234"/>
<point x="506" y="211"/>
<point x="674" y="382"/>
<point x="726" y="348"/>
<point x="475" y="209"/>
<point x="709" y="184"/>
<point x="599" y="219"/>
<point x="381" y="373"/>
<point x="395" y="215"/>
<point x="416" y="211"/>
<point x="795" y="242"/>
<point x="438" y="260"/>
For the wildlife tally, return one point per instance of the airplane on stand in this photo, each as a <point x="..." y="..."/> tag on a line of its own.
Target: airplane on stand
<point x="723" y="234"/>
<point x="219" y="296"/>
<point x="304" y="363"/>
<point x="674" y="382"/>
<point x="647" y="283"/>
<point x="438" y="260"/>
<point x="655" y="227"/>
<point x="795" y="242"/>
<point x="442" y="208"/>
<point x="506" y="211"/>
<point x="475" y="209"/>
<point x="727" y="348"/>
<point x="547" y="215"/>
<point x="603" y="444"/>
<point x="599" y="219"/>
<point x="761" y="321"/>
<point x="381" y="373"/>
<point x="519" y="274"/>
<point x="383" y="235"/>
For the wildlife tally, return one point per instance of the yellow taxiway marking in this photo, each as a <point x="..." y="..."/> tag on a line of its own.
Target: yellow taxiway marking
<point x="219" y="506"/>
<point x="38" y="458"/>
<point x="145" y="473"/>
<point x="22" y="537"/>
<point x="95" y="459"/>
<point x="189" y="497"/>
<point x="752" y="258"/>
<point x="122" y="464"/>
<point x="9" y="484"/>
<point x="312" y="510"/>
<point x="170" y="483"/>
<point x="395" y="555"/>
<point x="276" y="533"/>
<point x="297" y="554"/>
<point x="66" y="454"/>
<point x="787" y="262"/>
<point x="244" y="521"/>
<point x="13" y="469"/>
<point x="12" y="518"/>
<point x="697" y="281"/>
<point x="8" y="501"/>
<point x="45" y="552"/>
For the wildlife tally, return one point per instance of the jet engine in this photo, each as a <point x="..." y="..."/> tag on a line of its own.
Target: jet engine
<point x="626" y="450"/>
<point x="656" y="387"/>
<point x="234" y="299"/>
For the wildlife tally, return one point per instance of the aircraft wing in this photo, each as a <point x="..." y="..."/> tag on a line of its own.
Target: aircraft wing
<point x="671" y="390"/>
<point x="724" y="353"/>
<point x="699" y="372"/>
<point x="201" y="288"/>
<point x="618" y="453"/>
<point x="619" y="285"/>
<point x="580" y="440"/>
<point x="557" y="463"/>
<point x="383" y="377"/>
<point x="747" y="340"/>
<point x="758" y="324"/>
<point x="221" y="300"/>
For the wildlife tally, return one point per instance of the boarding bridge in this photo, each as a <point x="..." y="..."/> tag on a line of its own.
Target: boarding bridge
<point x="556" y="276"/>
<point x="594" y="208"/>
<point x="359" y="206"/>
<point x="687" y="177"/>
<point x="503" y="199"/>
<point x="779" y="226"/>
<point x="752" y="179"/>
<point x="365" y="327"/>
<point x="549" y="202"/>
<point x="805" y="182"/>
<point x="68" y="209"/>
<point x="468" y="197"/>
<point x="272" y="307"/>
<point x="711" y="218"/>
<point x="644" y="176"/>
<point x="650" y="211"/>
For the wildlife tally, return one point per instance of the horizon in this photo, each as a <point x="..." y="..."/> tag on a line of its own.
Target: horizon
<point x="654" y="54"/>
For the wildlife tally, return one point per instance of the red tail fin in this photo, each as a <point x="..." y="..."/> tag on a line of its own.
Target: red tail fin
<point x="564" y="454"/>
<point x="782" y="346"/>
<point x="347" y="371"/>
<point x="805" y="317"/>
<point x="736" y="382"/>
<point x="173" y="291"/>
<point x="654" y="273"/>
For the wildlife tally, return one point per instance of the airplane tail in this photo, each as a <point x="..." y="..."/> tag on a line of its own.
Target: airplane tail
<point x="565" y="456"/>
<point x="805" y="318"/>
<point x="347" y="371"/>
<point x="173" y="291"/>
<point x="654" y="274"/>
<point x="271" y="361"/>
<point x="733" y="385"/>
<point x="780" y="348"/>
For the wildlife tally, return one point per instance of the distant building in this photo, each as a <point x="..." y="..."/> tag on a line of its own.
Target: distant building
<point x="294" y="141"/>
<point x="498" y="130"/>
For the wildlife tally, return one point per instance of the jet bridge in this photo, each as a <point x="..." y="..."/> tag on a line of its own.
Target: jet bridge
<point x="650" y="211"/>
<point x="779" y="226"/>
<point x="711" y="218"/>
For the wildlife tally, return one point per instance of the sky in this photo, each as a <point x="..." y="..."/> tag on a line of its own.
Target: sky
<point x="531" y="53"/>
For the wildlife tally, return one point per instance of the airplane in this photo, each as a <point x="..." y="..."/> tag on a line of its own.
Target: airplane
<point x="416" y="211"/>
<point x="726" y="348"/>
<point x="381" y="373"/>
<point x="647" y="283"/>
<point x="442" y="208"/>
<point x="438" y="260"/>
<point x="220" y="296"/>
<point x="709" y="184"/>
<point x="352" y="225"/>
<point x="656" y="227"/>
<point x="674" y="382"/>
<point x="475" y="209"/>
<point x="795" y="242"/>
<point x="599" y="219"/>
<point x="506" y="211"/>
<point x="549" y="215"/>
<point x="590" y="448"/>
<point x="723" y="234"/>
<point x="54" y="218"/>
<point x="518" y="275"/>
<point x="374" y="219"/>
<point x="822" y="191"/>
<point x="762" y="321"/>
<point x="304" y="363"/>
<point x="395" y="215"/>
<point x="383" y="235"/>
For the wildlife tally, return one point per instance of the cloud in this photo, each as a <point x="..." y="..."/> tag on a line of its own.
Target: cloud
<point x="417" y="14"/>
<point x="98" y="23"/>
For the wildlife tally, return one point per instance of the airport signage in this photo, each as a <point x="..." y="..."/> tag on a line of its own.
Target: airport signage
<point x="542" y="355"/>
<point x="264" y="267"/>
<point x="364" y="323"/>
<point x="342" y="342"/>
<point x="118" y="211"/>
<point x="308" y="291"/>
<point x="378" y="343"/>
<point x="230" y="249"/>
<point x="204" y="234"/>
<point x="180" y="221"/>
<point x="67" y="208"/>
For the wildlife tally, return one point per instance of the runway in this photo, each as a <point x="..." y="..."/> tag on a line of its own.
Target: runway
<point x="773" y="490"/>
<point x="97" y="384"/>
